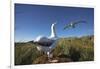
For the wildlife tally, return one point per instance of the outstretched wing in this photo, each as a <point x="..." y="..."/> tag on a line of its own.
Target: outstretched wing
<point x="79" y="21"/>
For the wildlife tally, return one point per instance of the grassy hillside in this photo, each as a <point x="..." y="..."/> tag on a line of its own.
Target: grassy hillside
<point x="67" y="50"/>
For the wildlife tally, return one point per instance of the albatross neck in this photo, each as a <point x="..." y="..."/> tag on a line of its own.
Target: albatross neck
<point x="53" y="32"/>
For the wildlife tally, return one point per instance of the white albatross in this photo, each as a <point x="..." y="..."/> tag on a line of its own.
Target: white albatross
<point x="47" y="44"/>
<point x="74" y="23"/>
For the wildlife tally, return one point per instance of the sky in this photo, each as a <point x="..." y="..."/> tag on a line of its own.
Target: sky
<point x="32" y="21"/>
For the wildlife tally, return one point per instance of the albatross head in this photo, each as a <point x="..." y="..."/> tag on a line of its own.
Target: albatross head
<point x="54" y="24"/>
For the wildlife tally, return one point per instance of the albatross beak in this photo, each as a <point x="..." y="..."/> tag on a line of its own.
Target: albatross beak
<point x="55" y="23"/>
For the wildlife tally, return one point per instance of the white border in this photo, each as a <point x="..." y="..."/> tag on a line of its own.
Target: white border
<point x="45" y="66"/>
<point x="70" y="3"/>
<point x="12" y="36"/>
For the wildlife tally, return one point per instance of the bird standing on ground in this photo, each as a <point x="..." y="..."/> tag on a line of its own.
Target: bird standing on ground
<point x="47" y="44"/>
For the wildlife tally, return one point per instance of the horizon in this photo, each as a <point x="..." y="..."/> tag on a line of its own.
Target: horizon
<point x="60" y="37"/>
<point x="32" y="21"/>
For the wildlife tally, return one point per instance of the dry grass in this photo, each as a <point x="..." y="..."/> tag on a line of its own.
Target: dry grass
<point x="67" y="50"/>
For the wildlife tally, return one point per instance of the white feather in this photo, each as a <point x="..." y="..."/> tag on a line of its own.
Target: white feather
<point x="41" y="39"/>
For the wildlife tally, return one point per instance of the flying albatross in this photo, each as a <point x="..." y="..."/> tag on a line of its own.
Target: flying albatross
<point x="74" y="23"/>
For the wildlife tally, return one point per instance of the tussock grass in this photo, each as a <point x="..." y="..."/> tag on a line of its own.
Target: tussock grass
<point x="67" y="50"/>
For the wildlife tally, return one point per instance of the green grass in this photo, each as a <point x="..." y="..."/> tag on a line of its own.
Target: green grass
<point x="67" y="50"/>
